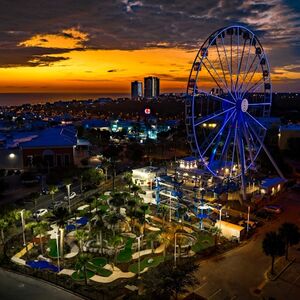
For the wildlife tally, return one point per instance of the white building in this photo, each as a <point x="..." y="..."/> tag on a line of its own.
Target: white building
<point x="145" y="177"/>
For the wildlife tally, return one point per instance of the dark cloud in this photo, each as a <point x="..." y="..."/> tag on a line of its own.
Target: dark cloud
<point x="112" y="71"/>
<point x="139" y="24"/>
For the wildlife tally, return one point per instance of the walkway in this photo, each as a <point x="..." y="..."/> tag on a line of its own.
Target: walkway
<point x="19" y="287"/>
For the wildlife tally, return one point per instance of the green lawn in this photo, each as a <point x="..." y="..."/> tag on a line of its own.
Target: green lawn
<point x="80" y="275"/>
<point x="125" y="255"/>
<point x="203" y="241"/>
<point x="146" y="264"/>
<point x="99" y="261"/>
<point x="53" y="248"/>
<point x="96" y="266"/>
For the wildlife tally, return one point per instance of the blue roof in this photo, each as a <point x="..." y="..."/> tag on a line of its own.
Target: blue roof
<point x="189" y="158"/>
<point x="51" y="137"/>
<point x="97" y="123"/>
<point x="270" y="182"/>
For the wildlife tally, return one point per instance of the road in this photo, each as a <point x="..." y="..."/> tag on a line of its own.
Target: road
<point x="19" y="287"/>
<point x="239" y="272"/>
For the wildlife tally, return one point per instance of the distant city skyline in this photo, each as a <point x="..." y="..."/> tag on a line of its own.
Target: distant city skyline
<point x="101" y="47"/>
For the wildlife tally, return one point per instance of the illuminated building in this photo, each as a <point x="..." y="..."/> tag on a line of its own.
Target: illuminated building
<point x="136" y="89"/>
<point x="151" y="87"/>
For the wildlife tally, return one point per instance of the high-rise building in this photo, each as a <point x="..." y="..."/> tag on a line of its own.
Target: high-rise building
<point x="136" y="89"/>
<point x="151" y="87"/>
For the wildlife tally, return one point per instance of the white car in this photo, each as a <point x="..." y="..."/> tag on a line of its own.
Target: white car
<point x="72" y="196"/>
<point x="40" y="212"/>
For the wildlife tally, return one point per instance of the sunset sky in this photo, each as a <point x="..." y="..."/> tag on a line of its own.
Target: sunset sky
<point x="102" y="45"/>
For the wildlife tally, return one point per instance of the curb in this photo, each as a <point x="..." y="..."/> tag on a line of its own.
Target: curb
<point x="282" y="271"/>
<point x="47" y="282"/>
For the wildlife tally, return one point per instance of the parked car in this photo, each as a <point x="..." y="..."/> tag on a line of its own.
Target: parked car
<point x="40" y="212"/>
<point x="252" y="224"/>
<point x="273" y="209"/>
<point x="56" y="204"/>
<point x="72" y="196"/>
<point x="45" y="191"/>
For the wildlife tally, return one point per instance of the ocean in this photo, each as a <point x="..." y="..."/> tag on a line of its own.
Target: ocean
<point x="13" y="99"/>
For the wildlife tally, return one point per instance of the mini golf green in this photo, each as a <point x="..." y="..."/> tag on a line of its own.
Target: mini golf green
<point x="99" y="261"/>
<point x="149" y="262"/>
<point x="80" y="275"/>
<point x="96" y="266"/>
<point x="53" y="248"/>
<point x="203" y="242"/>
<point x="125" y="255"/>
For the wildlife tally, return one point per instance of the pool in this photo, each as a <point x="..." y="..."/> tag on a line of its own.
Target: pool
<point x="42" y="265"/>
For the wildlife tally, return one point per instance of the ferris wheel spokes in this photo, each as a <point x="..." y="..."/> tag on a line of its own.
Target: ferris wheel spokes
<point x="219" y="132"/>
<point x="217" y="97"/>
<point x="256" y="121"/>
<point x="211" y="116"/>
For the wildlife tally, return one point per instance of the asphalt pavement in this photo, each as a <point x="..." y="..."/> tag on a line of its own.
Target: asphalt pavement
<point x="19" y="287"/>
<point x="240" y="273"/>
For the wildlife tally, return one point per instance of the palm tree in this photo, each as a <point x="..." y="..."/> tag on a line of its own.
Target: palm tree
<point x="81" y="236"/>
<point x="115" y="242"/>
<point x="89" y="201"/>
<point x="61" y="215"/>
<point x="34" y="196"/>
<point x="127" y="177"/>
<point x="135" y="189"/>
<point x="99" y="225"/>
<point x="164" y="239"/>
<point x="290" y="235"/>
<point x="273" y="246"/>
<point x="152" y="237"/>
<point x="3" y="227"/>
<point x="163" y="209"/>
<point x="40" y="229"/>
<point x="117" y="200"/>
<point x="216" y="232"/>
<point x="52" y="191"/>
<point x="105" y="165"/>
<point x="81" y="265"/>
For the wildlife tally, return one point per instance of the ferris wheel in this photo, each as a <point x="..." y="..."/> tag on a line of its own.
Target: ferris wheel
<point x="229" y="96"/>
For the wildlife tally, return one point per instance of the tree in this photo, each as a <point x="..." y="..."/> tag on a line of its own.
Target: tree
<point x="115" y="241"/>
<point x="3" y="227"/>
<point x="34" y="197"/>
<point x="166" y="282"/>
<point x="89" y="201"/>
<point x="152" y="237"/>
<point x="273" y="246"/>
<point x="81" y="237"/>
<point x="81" y="265"/>
<point x="117" y="200"/>
<point x="52" y="191"/>
<point x="61" y="215"/>
<point x="127" y="177"/>
<point x="99" y="225"/>
<point x="40" y="228"/>
<point x="215" y="231"/>
<point x="290" y="234"/>
<point x="92" y="177"/>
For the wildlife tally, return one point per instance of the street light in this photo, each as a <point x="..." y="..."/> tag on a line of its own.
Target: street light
<point x="248" y="218"/>
<point x="12" y="155"/>
<point x="139" y="248"/>
<point x="23" y="226"/>
<point x="175" y="251"/>
<point x="57" y="248"/>
<point x="68" y="191"/>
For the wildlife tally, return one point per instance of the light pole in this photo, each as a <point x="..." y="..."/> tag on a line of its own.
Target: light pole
<point x="57" y="248"/>
<point x="248" y="218"/>
<point x="175" y="251"/>
<point x="139" y="250"/>
<point x="23" y="226"/>
<point x="68" y="191"/>
<point x="220" y="218"/>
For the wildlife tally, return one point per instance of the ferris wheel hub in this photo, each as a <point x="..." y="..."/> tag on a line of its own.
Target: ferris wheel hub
<point x="244" y="105"/>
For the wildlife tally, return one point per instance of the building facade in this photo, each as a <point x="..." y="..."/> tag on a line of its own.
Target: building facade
<point x="151" y="87"/>
<point x="136" y="89"/>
